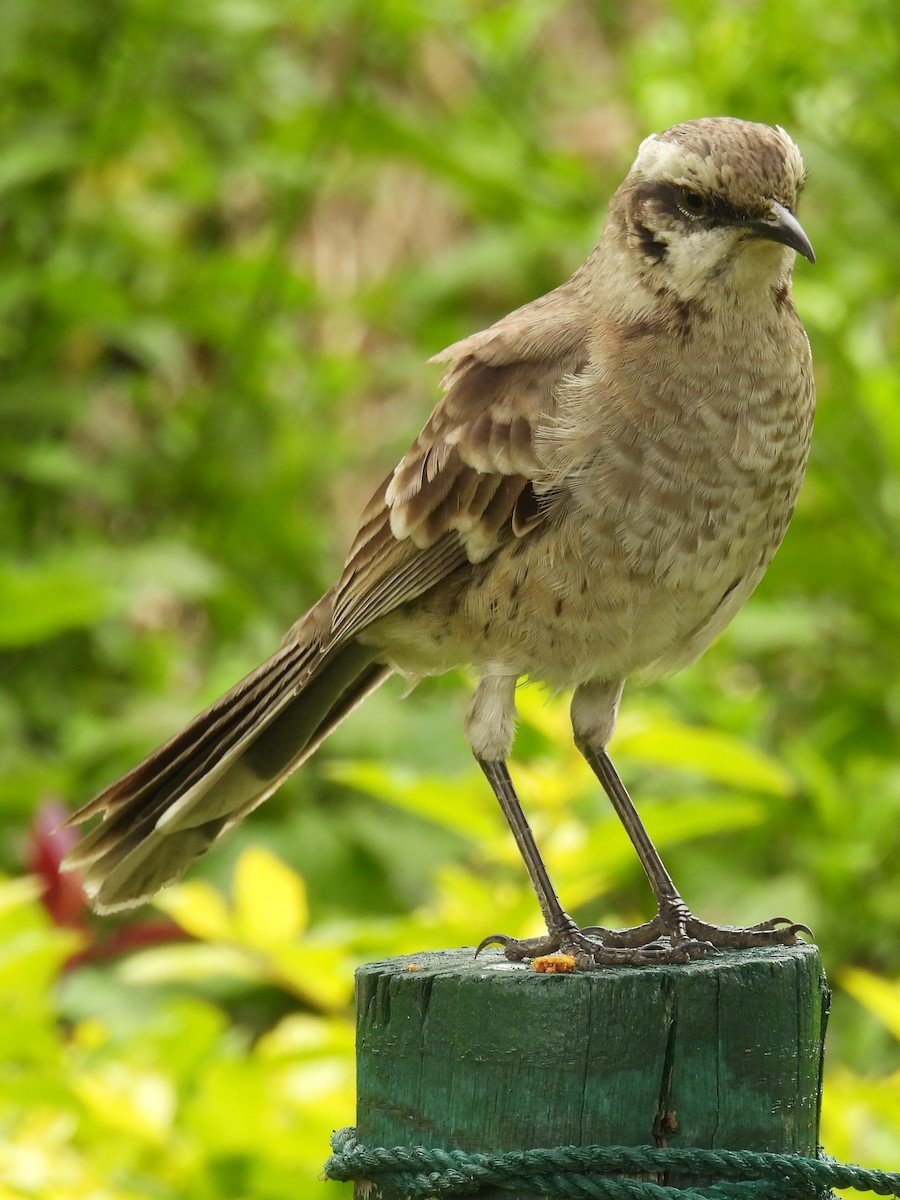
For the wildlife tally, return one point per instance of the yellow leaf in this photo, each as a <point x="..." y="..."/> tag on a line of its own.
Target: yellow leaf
<point x="879" y="996"/>
<point x="269" y="900"/>
<point x="198" y="909"/>
<point x="545" y="711"/>
<point x="321" y="974"/>
<point x="16" y="892"/>
<point x="302" y="1035"/>
<point x="138" y="1103"/>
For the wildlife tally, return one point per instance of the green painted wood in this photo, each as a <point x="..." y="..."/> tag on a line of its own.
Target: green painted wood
<point x="482" y="1054"/>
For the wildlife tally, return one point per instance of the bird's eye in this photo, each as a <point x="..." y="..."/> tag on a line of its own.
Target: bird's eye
<point x="692" y="204"/>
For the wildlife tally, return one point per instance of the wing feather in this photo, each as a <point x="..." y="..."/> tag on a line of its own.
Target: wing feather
<point x="465" y="485"/>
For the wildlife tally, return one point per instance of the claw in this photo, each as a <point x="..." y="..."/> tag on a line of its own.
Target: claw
<point x="779" y="931"/>
<point x="791" y="927"/>
<point x="771" y="924"/>
<point x="492" y="939"/>
<point x="697" y="948"/>
<point x="516" y="949"/>
<point x="795" y="927"/>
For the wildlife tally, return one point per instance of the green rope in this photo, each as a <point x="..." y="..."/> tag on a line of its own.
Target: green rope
<point x="595" y="1172"/>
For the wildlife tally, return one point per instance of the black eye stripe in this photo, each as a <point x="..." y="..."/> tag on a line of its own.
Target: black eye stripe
<point x="714" y="208"/>
<point x="671" y="198"/>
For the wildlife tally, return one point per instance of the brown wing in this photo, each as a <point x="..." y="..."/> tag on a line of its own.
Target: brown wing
<point x="465" y="486"/>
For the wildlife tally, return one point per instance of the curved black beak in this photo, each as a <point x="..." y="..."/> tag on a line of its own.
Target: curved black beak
<point x="782" y="226"/>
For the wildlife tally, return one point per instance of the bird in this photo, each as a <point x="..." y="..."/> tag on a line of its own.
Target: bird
<point x="606" y="475"/>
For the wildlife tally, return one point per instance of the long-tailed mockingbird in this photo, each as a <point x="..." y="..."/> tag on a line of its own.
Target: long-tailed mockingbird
<point x="600" y="488"/>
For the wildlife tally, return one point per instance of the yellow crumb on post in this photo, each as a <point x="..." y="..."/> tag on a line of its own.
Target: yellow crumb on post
<point x="554" y="964"/>
<point x="412" y="967"/>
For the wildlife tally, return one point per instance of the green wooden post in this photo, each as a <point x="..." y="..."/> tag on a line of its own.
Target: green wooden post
<point x="482" y="1054"/>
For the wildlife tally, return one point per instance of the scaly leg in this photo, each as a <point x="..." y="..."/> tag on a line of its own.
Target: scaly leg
<point x="563" y="934"/>
<point x="674" y="920"/>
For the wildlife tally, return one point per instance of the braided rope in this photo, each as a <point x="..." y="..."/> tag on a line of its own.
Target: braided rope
<point x="593" y="1172"/>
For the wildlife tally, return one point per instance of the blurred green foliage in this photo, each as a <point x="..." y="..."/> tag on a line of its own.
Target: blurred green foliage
<point x="231" y="233"/>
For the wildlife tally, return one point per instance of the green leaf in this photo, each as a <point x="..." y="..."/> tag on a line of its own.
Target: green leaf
<point x="40" y="600"/>
<point x="462" y="805"/>
<point x="25" y="162"/>
<point x="717" y="757"/>
<point x="190" y="964"/>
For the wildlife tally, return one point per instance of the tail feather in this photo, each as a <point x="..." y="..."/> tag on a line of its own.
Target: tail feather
<point x="186" y="756"/>
<point x="167" y="776"/>
<point x="171" y="807"/>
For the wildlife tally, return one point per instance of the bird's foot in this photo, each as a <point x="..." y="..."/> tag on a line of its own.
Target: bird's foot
<point x="674" y="935"/>
<point x="777" y="931"/>
<point x="587" y="951"/>
<point x="592" y="948"/>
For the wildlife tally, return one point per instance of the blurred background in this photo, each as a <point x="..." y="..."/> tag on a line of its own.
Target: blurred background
<point x="231" y="234"/>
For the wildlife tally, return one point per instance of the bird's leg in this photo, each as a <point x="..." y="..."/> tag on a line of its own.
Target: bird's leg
<point x="563" y="935"/>
<point x="674" y="934"/>
<point x="674" y="920"/>
<point x="490" y="725"/>
<point x="559" y="924"/>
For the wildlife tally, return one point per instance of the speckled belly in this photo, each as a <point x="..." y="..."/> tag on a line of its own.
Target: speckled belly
<point x="564" y="608"/>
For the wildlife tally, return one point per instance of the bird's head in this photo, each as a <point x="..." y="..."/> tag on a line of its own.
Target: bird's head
<point x="714" y="200"/>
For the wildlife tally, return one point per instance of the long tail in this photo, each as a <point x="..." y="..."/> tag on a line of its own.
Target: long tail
<point x="170" y="808"/>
